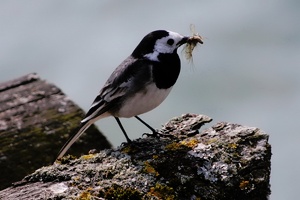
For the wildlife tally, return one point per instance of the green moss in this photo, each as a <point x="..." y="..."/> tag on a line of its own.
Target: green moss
<point x="72" y="119"/>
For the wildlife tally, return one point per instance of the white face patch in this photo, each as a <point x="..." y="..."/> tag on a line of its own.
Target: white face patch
<point x="162" y="45"/>
<point x="165" y="45"/>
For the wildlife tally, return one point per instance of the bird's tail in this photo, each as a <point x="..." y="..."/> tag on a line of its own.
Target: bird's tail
<point x="73" y="138"/>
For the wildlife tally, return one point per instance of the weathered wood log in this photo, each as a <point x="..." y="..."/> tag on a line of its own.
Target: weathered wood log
<point x="36" y="119"/>
<point x="226" y="161"/>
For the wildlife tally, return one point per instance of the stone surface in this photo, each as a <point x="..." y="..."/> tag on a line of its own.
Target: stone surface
<point x="226" y="161"/>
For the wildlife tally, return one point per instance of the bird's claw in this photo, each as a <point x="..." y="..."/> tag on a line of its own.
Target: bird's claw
<point x="153" y="134"/>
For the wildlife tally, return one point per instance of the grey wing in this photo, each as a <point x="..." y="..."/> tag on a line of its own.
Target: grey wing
<point x="127" y="78"/>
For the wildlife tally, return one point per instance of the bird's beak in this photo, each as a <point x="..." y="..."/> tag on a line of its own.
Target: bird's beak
<point x="191" y="40"/>
<point x="183" y="41"/>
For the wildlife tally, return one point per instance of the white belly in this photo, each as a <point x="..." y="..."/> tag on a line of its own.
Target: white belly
<point x="144" y="101"/>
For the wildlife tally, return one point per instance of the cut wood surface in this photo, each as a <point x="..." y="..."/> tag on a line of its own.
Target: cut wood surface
<point x="36" y="119"/>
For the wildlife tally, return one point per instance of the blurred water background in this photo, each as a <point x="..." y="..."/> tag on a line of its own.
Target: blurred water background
<point x="246" y="72"/>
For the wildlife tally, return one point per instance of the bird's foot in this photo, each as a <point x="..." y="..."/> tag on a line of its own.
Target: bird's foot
<point x="157" y="134"/>
<point x="129" y="141"/>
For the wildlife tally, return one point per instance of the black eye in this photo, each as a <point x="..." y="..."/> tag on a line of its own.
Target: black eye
<point x="170" y="42"/>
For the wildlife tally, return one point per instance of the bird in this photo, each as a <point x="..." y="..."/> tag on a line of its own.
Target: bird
<point x="139" y="84"/>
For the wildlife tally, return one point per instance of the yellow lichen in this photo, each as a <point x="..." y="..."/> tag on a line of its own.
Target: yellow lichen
<point x="162" y="192"/>
<point x="244" y="184"/>
<point x="86" y="195"/>
<point x="66" y="159"/>
<point x="190" y="143"/>
<point x="87" y="157"/>
<point x="150" y="169"/>
<point x="213" y="140"/>
<point x="173" y="146"/>
<point x="128" y="149"/>
<point x="232" y="145"/>
<point x="119" y="193"/>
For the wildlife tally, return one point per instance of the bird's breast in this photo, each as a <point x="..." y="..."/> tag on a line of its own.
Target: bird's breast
<point x="143" y="101"/>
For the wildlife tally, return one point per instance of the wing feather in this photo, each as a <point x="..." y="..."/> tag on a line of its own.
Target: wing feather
<point x="131" y="76"/>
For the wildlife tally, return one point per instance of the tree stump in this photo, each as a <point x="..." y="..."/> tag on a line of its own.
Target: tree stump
<point x="226" y="161"/>
<point x="36" y="119"/>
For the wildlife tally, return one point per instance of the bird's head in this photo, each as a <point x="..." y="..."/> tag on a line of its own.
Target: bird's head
<point x="159" y="42"/>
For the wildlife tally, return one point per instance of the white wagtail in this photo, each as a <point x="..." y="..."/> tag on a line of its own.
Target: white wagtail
<point x="139" y="84"/>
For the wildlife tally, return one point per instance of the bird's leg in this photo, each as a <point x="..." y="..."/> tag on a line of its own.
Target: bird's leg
<point x="123" y="130"/>
<point x="154" y="132"/>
